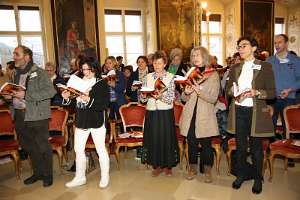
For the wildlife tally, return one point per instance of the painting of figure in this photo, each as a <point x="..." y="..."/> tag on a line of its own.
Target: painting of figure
<point x="258" y="21"/>
<point x="176" y="25"/>
<point x="75" y="30"/>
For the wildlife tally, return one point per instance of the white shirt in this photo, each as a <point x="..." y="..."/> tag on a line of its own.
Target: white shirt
<point x="245" y="82"/>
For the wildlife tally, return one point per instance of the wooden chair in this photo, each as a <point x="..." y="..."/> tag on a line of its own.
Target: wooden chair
<point x="292" y="120"/>
<point x="177" y="107"/>
<point x="58" y="122"/>
<point x="232" y="146"/>
<point x="286" y="148"/>
<point x="132" y="115"/>
<point x="9" y="146"/>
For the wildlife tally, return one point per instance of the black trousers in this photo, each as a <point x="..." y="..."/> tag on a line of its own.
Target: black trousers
<point x="33" y="136"/>
<point x="206" y="154"/>
<point x="243" y="130"/>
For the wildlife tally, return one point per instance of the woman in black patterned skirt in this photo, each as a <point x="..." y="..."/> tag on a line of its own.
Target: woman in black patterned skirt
<point x="160" y="142"/>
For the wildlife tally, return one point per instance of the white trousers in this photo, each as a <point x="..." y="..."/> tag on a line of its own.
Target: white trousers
<point x="98" y="135"/>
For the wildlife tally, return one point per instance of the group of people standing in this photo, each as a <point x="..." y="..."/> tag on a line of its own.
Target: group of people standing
<point x="248" y="117"/>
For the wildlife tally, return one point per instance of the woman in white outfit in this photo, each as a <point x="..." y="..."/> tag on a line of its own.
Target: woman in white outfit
<point x="90" y="119"/>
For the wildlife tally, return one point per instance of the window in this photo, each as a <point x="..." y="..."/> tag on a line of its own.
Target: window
<point x="279" y="26"/>
<point x="20" y="25"/>
<point x="212" y="30"/>
<point x="124" y="34"/>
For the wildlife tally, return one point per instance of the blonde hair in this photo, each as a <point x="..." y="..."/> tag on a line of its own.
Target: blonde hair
<point x="204" y="54"/>
<point x="113" y="60"/>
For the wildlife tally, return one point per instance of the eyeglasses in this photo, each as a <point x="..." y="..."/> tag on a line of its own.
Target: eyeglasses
<point x="86" y="69"/>
<point x="242" y="46"/>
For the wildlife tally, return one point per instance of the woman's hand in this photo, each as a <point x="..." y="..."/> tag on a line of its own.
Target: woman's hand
<point x="112" y="83"/>
<point x="188" y="90"/>
<point x="66" y="94"/>
<point x="197" y="88"/>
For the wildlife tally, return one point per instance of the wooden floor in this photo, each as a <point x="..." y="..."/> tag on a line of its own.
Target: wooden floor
<point x="134" y="182"/>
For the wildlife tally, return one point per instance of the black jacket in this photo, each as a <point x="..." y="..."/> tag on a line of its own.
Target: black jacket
<point x="91" y="115"/>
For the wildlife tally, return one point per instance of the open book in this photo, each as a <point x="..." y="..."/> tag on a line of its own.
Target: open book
<point x="159" y="86"/>
<point x="76" y="86"/>
<point x="137" y="84"/>
<point x="11" y="89"/>
<point x="110" y="76"/>
<point x="239" y="94"/>
<point x="192" y="77"/>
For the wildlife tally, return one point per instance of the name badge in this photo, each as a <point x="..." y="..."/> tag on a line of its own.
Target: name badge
<point x="34" y="74"/>
<point x="284" y="60"/>
<point x="257" y="67"/>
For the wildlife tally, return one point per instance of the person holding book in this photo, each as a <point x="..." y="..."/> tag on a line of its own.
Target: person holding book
<point x="138" y="75"/>
<point x="249" y="117"/>
<point x="117" y="88"/>
<point x="90" y="108"/>
<point x="198" y="120"/>
<point x="160" y="146"/>
<point x="32" y="113"/>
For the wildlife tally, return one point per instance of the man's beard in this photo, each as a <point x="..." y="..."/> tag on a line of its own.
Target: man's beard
<point x="20" y="63"/>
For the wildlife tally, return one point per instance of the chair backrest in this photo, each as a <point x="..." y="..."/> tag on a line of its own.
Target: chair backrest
<point x="132" y="115"/>
<point x="292" y="119"/>
<point x="177" y="107"/>
<point x="7" y="126"/>
<point x="58" y="121"/>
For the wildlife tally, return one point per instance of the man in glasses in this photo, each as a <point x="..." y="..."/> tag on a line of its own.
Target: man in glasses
<point x="286" y="67"/>
<point x="32" y="113"/>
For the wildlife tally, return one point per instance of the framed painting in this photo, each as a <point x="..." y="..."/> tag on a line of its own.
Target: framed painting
<point x="175" y="25"/>
<point x="258" y="22"/>
<point x="75" y="31"/>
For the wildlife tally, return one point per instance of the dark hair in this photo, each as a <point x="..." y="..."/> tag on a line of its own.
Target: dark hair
<point x="236" y="54"/>
<point x="142" y="57"/>
<point x="285" y="37"/>
<point x="93" y="65"/>
<point x="160" y="55"/>
<point x="26" y="51"/>
<point x="252" y="41"/>
<point x="119" y="57"/>
<point x="293" y="52"/>
<point x="129" y="67"/>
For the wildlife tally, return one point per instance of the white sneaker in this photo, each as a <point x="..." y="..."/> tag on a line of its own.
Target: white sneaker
<point x="104" y="182"/>
<point x="76" y="182"/>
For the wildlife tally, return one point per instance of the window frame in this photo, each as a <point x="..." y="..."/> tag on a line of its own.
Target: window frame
<point x="220" y="35"/>
<point x="19" y="34"/>
<point x="123" y="33"/>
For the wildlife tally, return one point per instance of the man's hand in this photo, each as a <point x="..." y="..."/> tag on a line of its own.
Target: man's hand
<point x="285" y="93"/>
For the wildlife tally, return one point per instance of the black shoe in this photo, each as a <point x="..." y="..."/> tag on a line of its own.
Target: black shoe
<point x="32" y="179"/>
<point x="73" y="168"/>
<point x="47" y="181"/>
<point x="237" y="183"/>
<point x="257" y="187"/>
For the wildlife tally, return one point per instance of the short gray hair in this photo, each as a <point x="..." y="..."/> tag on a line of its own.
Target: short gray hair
<point x="176" y="52"/>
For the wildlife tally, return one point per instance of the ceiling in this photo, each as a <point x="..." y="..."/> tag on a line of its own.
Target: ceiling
<point x="288" y="3"/>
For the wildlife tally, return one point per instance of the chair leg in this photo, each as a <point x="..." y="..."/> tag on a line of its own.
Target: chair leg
<point x="187" y="156"/>
<point x="60" y="157"/>
<point x="285" y="163"/>
<point x="17" y="162"/>
<point x="218" y="159"/>
<point x="117" y="156"/>
<point x="180" y="145"/>
<point x="272" y="166"/>
<point x="228" y="158"/>
<point x="65" y="153"/>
